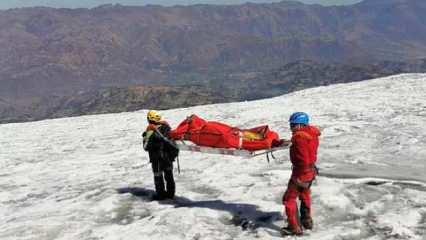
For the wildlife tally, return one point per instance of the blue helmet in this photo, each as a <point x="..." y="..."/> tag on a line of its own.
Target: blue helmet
<point x="299" y="118"/>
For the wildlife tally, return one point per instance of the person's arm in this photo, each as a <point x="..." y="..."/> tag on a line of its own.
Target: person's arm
<point x="150" y="137"/>
<point x="165" y="130"/>
<point x="164" y="135"/>
<point x="147" y="139"/>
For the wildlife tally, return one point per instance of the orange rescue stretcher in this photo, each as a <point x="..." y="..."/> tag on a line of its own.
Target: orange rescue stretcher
<point x="198" y="135"/>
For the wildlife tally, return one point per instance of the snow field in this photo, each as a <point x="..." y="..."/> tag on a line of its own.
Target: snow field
<point x="88" y="177"/>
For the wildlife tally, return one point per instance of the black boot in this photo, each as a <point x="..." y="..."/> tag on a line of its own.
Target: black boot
<point x="159" y="188"/>
<point x="170" y="183"/>
<point x="305" y="217"/>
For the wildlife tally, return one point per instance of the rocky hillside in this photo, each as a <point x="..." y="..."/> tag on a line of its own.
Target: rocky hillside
<point x="109" y="100"/>
<point x="61" y="51"/>
<point x="255" y="85"/>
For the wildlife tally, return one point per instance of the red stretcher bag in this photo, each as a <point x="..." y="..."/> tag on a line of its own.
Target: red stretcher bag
<point x="220" y="135"/>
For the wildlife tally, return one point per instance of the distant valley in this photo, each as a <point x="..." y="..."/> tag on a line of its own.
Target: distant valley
<point x="66" y="62"/>
<point x="290" y="77"/>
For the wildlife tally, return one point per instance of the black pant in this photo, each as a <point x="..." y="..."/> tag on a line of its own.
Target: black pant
<point x="163" y="171"/>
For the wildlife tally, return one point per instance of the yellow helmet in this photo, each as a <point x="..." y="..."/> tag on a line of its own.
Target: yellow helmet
<point x="153" y="116"/>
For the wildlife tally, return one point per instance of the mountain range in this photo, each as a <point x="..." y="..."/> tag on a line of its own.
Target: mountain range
<point x="50" y="53"/>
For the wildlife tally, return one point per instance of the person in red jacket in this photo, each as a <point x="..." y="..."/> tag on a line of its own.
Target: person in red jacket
<point x="303" y="156"/>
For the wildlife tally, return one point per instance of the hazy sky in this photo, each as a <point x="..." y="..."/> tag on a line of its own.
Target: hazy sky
<point x="6" y="4"/>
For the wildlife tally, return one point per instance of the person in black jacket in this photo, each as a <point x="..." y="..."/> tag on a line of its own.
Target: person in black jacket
<point x="162" y="153"/>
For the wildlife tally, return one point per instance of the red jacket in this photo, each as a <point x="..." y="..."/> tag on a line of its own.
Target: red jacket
<point x="303" y="153"/>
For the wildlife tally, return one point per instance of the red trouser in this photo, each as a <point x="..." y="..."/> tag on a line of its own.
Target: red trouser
<point x="293" y="192"/>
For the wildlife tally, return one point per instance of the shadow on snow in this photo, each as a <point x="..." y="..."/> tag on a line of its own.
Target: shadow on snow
<point x="248" y="216"/>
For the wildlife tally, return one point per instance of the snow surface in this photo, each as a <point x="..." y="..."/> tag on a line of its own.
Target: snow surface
<point x="88" y="177"/>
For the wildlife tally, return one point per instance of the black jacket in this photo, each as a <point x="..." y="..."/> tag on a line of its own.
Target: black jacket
<point x="156" y="141"/>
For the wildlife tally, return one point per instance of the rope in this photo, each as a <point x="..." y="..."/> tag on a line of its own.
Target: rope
<point x="178" y="165"/>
